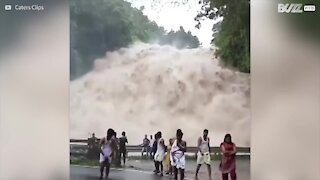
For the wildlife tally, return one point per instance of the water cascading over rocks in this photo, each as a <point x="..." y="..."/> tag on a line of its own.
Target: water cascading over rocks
<point x="146" y="88"/>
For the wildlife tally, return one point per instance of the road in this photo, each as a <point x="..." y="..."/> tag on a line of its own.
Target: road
<point x="243" y="168"/>
<point x="83" y="173"/>
<point x="141" y="170"/>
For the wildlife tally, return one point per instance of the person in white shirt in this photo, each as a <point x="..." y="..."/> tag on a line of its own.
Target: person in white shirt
<point x="150" y="146"/>
<point x="178" y="159"/>
<point x="108" y="146"/>
<point x="203" y="155"/>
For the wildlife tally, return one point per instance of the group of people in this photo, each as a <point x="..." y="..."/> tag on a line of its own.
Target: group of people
<point x="171" y="155"/>
<point x="147" y="146"/>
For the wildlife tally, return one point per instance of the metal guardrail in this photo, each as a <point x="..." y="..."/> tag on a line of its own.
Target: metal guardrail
<point x="132" y="148"/>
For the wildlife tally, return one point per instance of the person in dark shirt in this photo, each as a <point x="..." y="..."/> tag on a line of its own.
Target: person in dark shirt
<point x="93" y="147"/>
<point x="154" y="145"/>
<point x="123" y="149"/>
<point x="154" y="150"/>
<point x="92" y="141"/>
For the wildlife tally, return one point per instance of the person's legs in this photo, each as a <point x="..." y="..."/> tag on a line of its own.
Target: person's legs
<point x="175" y="172"/>
<point x="156" y="165"/>
<point x="101" y="170"/>
<point x="199" y="162"/>
<point x="182" y="174"/>
<point x="118" y="160"/>
<point x="233" y="175"/>
<point x="107" y="170"/>
<point x="161" y="168"/>
<point x="120" y="156"/>
<point x="169" y="168"/>
<point x="124" y="153"/>
<point x="198" y="168"/>
<point x="225" y="176"/>
<point x="209" y="170"/>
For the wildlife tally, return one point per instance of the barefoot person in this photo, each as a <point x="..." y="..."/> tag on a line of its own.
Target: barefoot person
<point x="167" y="160"/>
<point x="145" y="145"/>
<point x="123" y="148"/>
<point x="228" y="161"/>
<point x="203" y="155"/>
<point x="154" y="150"/>
<point x="107" y="148"/>
<point x="93" y="147"/>
<point x="160" y="154"/>
<point x="178" y="160"/>
<point x="117" y="160"/>
<point x="150" y="147"/>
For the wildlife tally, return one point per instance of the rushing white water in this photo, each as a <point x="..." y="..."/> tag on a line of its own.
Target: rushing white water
<point x="146" y="88"/>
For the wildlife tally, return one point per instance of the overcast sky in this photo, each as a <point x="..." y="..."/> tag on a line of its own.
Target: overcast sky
<point x="171" y="17"/>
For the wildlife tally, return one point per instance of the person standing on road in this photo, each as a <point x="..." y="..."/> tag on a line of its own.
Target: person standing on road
<point x="203" y="155"/>
<point x="228" y="161"/>
<point x="123" y="149"/>
<point x="92" y="142"/>
<point x="108" y="146"/>
<point x="178" y="160"/>
<point x="154" y="150"/>
<point x="168" y="160"/>
<point x="117" y="159"/>
<point x="145" y="145"/>
<point x="93" y="147"/>
<point x="150" y="147"/>
<point x="160" y="154"/>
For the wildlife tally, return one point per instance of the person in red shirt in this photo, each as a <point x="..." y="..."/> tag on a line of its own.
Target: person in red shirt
<point x="228" y="160"/>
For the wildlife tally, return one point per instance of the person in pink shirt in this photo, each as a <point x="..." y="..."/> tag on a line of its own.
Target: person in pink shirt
<point x="228" y="161"/>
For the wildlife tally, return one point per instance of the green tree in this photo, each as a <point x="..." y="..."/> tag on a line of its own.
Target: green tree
<point x="181" y="39"/>
<point x="106" y="25"/>
<point x="233" y="37"/>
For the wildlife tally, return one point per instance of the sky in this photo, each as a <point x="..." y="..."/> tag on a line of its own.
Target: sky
<point x="171" y="17"/>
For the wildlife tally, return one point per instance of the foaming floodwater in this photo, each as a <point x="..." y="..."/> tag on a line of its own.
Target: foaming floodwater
<point x="146" y="88"/>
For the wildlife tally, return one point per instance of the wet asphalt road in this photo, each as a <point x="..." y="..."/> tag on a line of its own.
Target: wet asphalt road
<point x="83" y="173"/>
<point x="142" y="170"/>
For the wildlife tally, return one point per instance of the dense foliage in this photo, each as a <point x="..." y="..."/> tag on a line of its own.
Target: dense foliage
<point x="181" y="39"/>
<point x="233" y="37"/>
<point x="105" y="25"/>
